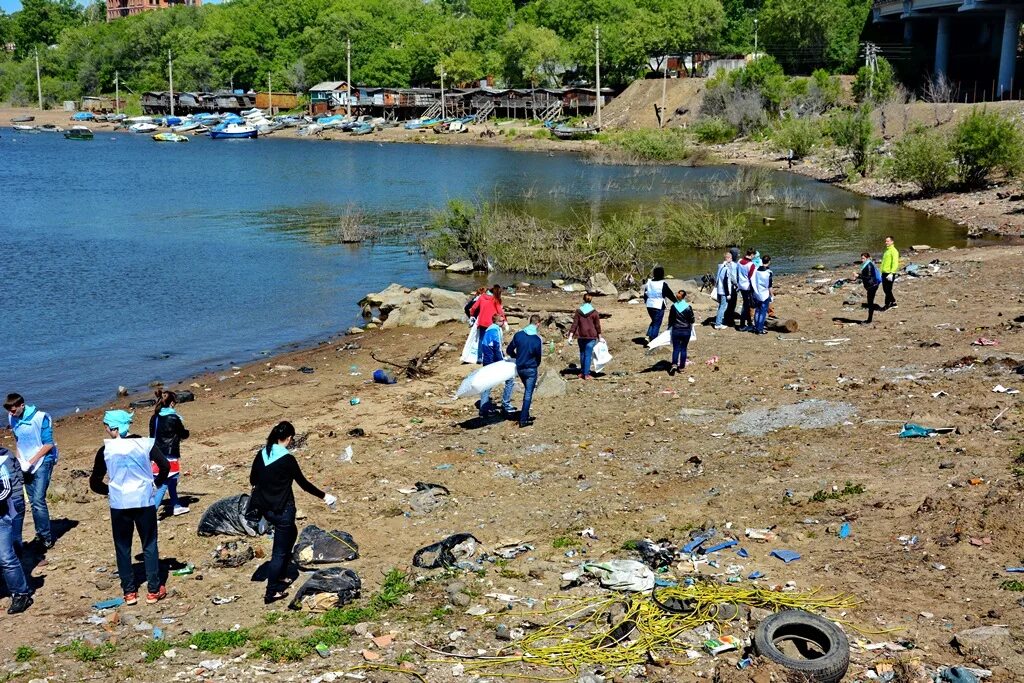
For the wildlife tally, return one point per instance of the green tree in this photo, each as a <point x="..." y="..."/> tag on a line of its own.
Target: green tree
<point x="877" y="86"/>
<point x="854" y="132"/>
<point x="533" y="55"/>
<point x="804" y="35"/>
<point x="40" y="22"/>
<point x="924" y="158"/>
<point x="985" y="142"/>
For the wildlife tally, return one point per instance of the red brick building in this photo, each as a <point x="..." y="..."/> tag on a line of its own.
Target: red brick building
<point x="122" y="8"/>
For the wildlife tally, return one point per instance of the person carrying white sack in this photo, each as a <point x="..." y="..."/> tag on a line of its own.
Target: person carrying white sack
<point x="490" y="347"/>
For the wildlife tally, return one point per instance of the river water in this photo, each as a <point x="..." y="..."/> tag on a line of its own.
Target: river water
<point x="127" y="261"/>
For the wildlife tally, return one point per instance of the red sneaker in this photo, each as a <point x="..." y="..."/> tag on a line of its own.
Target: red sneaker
<point x="153" y="598"/>
<point x="131" y="598"/>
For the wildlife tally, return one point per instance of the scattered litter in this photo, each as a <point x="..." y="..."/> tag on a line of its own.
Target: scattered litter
<point x="382" y="377"/>
<point x="184" y="571"/>
<point x="227" y="517"/>
<point x="984" y="341"/>
<point x="656" y="555"/>
<point x="742" y="552"/>
<point x="224" y="600"/>
<point x="939" y="394"/>
<point x="1015" y="570"/>
<point x="109" y="603"/>
<point x="233" y="554"/>
<point x="354" y="401"/>
<point x="755" y="575"/>
<point x="623" y="575"/>
<point x="211" y="664"/>
<point x="721" y="546"/>
<point x="786" y="556"/>
<point x="761" y="534"/>
<point x="913" y="431"/>
<point x="588" y="533"/>
<point x="844" y="530"/>
<point x="717" y="646"/>
<point x="448" y="552"/>
<point x="697" y="542"/>
<point x="476" y="611"/>
<point x="1000" y="389"/>
<point x="510" y="550"/>
<point x="306" y="370"/>
<point x="445" y="466"/>
<point x="346" y="455"/>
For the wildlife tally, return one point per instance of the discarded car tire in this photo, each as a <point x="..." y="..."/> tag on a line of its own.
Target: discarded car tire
<point x="824" y="649"/>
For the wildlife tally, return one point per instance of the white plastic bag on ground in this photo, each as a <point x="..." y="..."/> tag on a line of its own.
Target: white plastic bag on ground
<point x="469" y="349"/>
<point x="601" y="356"/>
<point x="663" y="339"/>
<point x="486" y="378"/>
<point x="620" y="575"/>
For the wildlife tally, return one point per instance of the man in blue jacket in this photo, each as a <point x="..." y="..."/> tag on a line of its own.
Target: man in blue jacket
<point x="37" y="455"/>
<point x="527" y="348"/>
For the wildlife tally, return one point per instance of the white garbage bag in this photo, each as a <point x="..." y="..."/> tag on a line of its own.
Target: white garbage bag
<point x="486" y="378"/>
<point x="601" y="356"/>
<point x="471" y="346"/>
<point x="663" y="339"/>
<point x="621" y="575"/>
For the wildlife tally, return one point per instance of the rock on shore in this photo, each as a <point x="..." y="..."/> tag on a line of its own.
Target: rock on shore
<point x="424" y="307"/>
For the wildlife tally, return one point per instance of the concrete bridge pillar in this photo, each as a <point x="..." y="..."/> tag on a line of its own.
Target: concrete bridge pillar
<point x="942" y="47"/>
<point x="908" y="32"/>
<point x="1008" y="50"/>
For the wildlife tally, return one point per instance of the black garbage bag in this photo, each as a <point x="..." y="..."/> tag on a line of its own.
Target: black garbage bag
<point x="446" y="553"/>
<point x="316" y="546"/>
<point x="339" y="581"/>
<point x="656" y="555"/>
<point x="227" y="517"/>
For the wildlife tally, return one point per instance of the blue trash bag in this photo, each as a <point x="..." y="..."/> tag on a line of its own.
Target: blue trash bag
<point x="911" y="431"/>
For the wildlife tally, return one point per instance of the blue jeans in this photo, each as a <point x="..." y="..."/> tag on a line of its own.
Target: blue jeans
<point x="285" y="533"/>
<point x="10" y="545"/>
<point x="506" y="396"/>
<point x="528" y="376"/>
<point x="656" y="315"/>
<point x="723" y="304"/>
<point x="36" y="485"/>
<point x="761" y="316"/>
<point x="680" y="340"/>
<point x="586" y="355"/>
<point x="170" y="486"/>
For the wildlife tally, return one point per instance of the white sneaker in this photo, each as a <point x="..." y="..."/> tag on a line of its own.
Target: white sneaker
<point x="180" y="510"/>
<point x="719" y="327"/>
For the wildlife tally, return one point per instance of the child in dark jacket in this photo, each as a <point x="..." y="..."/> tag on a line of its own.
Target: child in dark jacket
<point x="680" y="321"/>
<point x="527" y="348"/>
<point x="490" y="350"/>
<point x="586" y="327"/>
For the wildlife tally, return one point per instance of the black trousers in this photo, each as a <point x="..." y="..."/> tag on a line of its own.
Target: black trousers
<point x="123" y="524"/>
<point x="871" y="292"/>
<point x="730" y="310"/>
<point x="887" y="284"/>
<point x="746" y="308"/>
<point x="285" y="533"/>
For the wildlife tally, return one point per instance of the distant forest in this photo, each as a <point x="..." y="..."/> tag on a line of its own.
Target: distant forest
<point x="297" y="43"/>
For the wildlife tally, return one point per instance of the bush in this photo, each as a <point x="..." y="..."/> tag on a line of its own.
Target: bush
<point x="699" y="226"/>
<point x="827" y="87"/>
<point x="458" y="233"/>
<point x="714" y="130"/>
<point x="668" y="144"/>
<point x="742" y="108"/>
<point x="854" y="132"/>
<point x="878" y="89"/>
<point x="923" y="158"/>
<point x="799" y="135"/>
<point x="985" y="142"/>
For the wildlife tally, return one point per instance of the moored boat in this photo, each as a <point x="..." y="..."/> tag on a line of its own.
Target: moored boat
<point x="564" y="132"/>
<point x="50" y="128"/>
<point x="22" y="128"/>
<point x="22" y="119"/>
<point x="170" y="137"/>
<point x="421" y="123"/>
<point x="142" y="127"/>
<point x="78" y="133"/>
<point x="364" y="128"/>
<point x="233" y="131"/>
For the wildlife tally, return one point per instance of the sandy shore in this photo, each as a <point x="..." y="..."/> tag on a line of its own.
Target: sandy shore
<point x="633" y="454"/>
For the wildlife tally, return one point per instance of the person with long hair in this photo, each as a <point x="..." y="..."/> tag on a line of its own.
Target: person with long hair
<point x="167" y="428"/>
<point x="586" y="327"/>
<point x="274" y="470"/>
<point x="680" y="321"/>
<point x="656" y="291"/>
<point x="125" y="460"/>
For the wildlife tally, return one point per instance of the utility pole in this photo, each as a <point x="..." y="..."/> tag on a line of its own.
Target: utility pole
<point x="597" y="70"/>
<point x="348" y="74"/>
<point x="170" y="79"/>
<point x="664" y="88"/>
<point x="270" y="95"/>
<point x="755" y="37"/>
<point x="871" y="61"/>
<point x="442" y="94"/>
<point x="39" y="82"/>
<point x="117" y="92"/>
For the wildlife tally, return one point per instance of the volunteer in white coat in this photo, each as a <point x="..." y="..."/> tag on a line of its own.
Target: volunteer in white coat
<point x="656" y="292"/>
<point x="124" y="459"/>
<point x="37" y="454"/>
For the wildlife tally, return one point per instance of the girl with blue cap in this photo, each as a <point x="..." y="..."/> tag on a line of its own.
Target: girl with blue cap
<point x="273" y="472"/>
<point x="167" y="428"/>
<point x="124" y="459"/>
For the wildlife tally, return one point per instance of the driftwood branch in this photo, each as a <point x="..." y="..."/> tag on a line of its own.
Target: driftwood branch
<point x="415" y="367"/>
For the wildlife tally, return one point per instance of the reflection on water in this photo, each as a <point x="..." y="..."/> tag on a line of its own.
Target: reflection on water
<point x="130" y="261"/>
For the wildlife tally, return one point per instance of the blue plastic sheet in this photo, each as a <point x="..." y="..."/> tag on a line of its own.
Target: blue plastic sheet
<point x="913" y="431"/>
<point x="786" y="556"/>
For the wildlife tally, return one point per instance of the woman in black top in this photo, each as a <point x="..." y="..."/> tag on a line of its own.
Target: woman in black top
<point x="273" y="472"/>
<point x="169" y="431"/>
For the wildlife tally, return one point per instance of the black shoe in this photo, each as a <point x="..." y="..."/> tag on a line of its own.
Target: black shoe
<point x="269" y="599"/>
<point x="44" y="543"/>
<point x="672" y="371"/>
<point x="527" y="423"/>
<point x="19" y="603"/>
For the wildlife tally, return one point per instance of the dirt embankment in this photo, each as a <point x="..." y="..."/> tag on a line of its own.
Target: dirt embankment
<point x="795" y="431"/>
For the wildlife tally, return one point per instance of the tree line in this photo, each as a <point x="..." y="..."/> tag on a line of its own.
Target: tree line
<point x="402" y="43"/>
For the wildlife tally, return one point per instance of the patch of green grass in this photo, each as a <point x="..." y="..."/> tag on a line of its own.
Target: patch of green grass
<point x="849" y="490"/>
<point x="630" y="545"/>
<point x="1016" y="586"/>
<point x="407" y="656"/>
<point x="1018" y="472"/>
<point x="439" y="613"/>
<point x="297" y="649"/>
<point x="218" y="642"/>
<point x="345" y="617"/>
<point x="563" y="542"/>
<point x="84" y="652"/>
<point x="501" y="563"/>
<point x="510" y="574"/>
<point x="155" y="649"/>
<point x="396" y="585"/>
<point x="24" y="653"/>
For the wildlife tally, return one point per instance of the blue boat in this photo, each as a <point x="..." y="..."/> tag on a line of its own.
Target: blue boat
<point x="83" y="116"/>
<point x="364" y="128"/>
<point x="421" y="123"/>
<point x="230" y="131"/>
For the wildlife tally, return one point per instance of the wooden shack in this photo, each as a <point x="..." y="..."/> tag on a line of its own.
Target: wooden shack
<point x="280" y="101"/>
